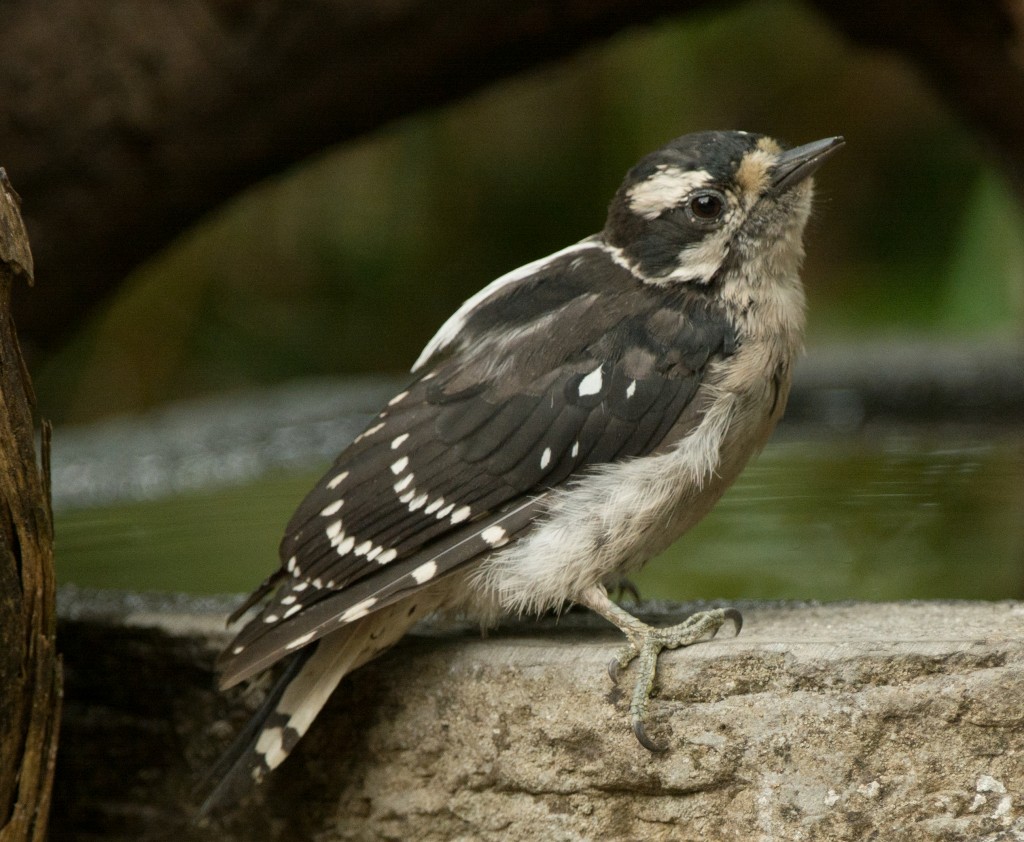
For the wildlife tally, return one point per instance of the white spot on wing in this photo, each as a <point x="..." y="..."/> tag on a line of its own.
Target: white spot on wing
<point x="386" y="556"/>
<point x="398" y="441"/>
<point x="360" y="609"/>
<point x="575" y="449"/>
<point x="496" y="536"/>
<point x="299" y="641"/>
<point x="425" y="572"/>
<point x="331" y="508"/>
<point x="338" y="480"/>
<point x="363" y="548"/>
<point x="400" y="465"/>
<point x="447" y="510"/>
<point x="333" y="531"/>
<point x="376" y="428"/>
<point x="591" y="384"/>
<point x="401" y="396"/>
<point x="460" y="515"/>
<point x="295" y="609"/>
<point x="403" y="483"/>
<point x="545" y="458"/>
<point x="418" y="502"/>
<point x="345" y="547"/>
<point x="631" y="389"/>
<point x="405" y="498"/>
<point x="434" y="506"/>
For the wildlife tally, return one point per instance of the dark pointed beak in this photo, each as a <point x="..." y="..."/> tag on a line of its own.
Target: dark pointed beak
<point x="795" y="165"/>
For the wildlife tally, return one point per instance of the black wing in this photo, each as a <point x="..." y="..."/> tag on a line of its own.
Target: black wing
<point x="459" y="463"/>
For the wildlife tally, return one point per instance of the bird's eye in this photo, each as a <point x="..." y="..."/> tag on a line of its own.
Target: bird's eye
<point x="706" y="206"/>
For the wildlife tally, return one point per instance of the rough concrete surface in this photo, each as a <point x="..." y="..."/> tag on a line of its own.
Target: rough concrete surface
<point x="819" y="722"/>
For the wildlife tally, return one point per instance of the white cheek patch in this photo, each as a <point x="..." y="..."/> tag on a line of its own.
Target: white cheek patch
<point x="698" y="263"/>
<point x="664" y="190"/>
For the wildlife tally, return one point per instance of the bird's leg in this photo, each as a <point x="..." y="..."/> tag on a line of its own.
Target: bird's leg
<point x="646" y="643"/>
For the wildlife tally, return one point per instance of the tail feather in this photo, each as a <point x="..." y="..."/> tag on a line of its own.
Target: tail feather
<point x="240" y="764"/>
<point x="299" y="695"/>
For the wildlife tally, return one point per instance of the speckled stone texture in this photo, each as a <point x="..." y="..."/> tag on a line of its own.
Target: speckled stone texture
<point x="819" y="722"/>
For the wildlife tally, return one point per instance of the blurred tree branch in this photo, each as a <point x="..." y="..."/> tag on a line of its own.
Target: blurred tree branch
<point x="30" y="672"/>
<point x="123" y="122"/>
<point x="971" y="53"/>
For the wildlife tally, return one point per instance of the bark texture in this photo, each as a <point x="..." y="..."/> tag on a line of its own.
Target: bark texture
<point x="819" y="722"/>
<point x="30" y="676"/>
<point x="123" y="122"/>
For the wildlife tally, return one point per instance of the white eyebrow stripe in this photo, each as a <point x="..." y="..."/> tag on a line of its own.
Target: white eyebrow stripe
<point x="664" y="189"/>
<point x="450" y="330"/>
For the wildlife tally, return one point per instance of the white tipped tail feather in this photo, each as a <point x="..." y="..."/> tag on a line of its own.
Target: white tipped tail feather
<point x="302" y="691"/>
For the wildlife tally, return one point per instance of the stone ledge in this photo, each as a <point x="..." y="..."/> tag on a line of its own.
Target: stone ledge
<point x="820" y="722"/>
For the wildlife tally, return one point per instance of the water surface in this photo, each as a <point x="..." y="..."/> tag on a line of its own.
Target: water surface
<point x="882" y="514"/>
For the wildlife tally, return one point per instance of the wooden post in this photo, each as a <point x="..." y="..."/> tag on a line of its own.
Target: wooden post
<point x="30" y="669"/>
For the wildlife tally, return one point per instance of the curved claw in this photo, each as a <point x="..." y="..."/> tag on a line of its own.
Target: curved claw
<point x="734" y="615"/>
<point x="640" y="731"/>
<point x="614" y="670"/>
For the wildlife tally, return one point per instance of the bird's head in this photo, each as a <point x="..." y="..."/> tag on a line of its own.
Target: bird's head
<point x="712" y="201"/>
